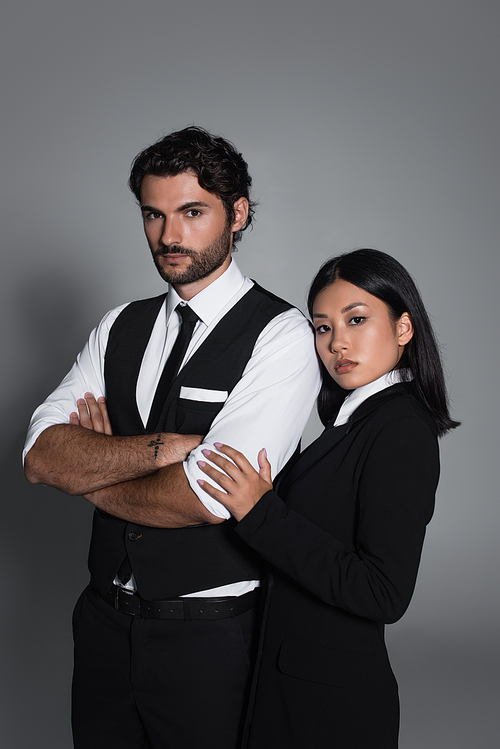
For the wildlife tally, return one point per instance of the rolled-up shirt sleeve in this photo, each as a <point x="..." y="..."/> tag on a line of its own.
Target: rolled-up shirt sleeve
<point x="86" y="375"/>
<point x="270" y="405"/>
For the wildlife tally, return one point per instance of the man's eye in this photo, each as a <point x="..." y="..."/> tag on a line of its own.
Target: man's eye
<point x="151" y="216"/>
<point x="322" y="329"/>
<point x="356" y="320"/>
<point x="193" y="213"/>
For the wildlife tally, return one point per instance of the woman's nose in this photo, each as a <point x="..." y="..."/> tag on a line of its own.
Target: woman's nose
<point x="338" y="343"/>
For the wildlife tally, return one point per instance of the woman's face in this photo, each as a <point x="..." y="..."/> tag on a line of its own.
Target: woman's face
<point x="356" y="338"/>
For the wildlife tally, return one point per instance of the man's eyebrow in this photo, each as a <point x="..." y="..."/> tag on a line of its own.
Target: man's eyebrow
<point x="180" y="209"/>
<point x="191" y="204"/>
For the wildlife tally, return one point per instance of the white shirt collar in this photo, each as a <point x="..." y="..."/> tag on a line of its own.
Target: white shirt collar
<point x="209" y="302"/>
<point x="357" y="396"/>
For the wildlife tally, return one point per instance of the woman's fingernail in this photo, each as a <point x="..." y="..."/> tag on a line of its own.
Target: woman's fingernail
<point x="206" y="452"/>
<point x="218" y="444"/>
<point x="201" y="463"/>
<point x="201" y="482"/>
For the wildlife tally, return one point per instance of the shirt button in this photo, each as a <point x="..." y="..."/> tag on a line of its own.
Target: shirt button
<point x="132" y="536"/>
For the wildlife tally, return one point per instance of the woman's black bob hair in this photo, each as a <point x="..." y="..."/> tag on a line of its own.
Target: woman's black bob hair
<point x="384" y="277"/>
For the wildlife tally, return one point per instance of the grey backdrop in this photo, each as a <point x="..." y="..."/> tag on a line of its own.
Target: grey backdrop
<point x="365" y="122"/>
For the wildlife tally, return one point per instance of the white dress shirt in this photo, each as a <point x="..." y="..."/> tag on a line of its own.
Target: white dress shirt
<point x="357" y="396"/>
<point x="268" y="407"/>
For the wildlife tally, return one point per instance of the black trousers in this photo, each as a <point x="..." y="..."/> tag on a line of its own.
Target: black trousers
<point x="158" y="684"/>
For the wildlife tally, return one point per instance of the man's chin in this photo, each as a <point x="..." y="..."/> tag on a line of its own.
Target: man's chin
<point x="175" y="275"/>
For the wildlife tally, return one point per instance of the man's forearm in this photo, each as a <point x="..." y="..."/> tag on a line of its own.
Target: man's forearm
<point x="162" y="500"/>
<point x="79" y="461"/>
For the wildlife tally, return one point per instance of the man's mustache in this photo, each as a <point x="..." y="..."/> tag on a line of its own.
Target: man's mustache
<point x="174" y="249"/>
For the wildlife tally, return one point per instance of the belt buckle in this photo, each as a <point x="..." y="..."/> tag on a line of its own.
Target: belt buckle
<point x="117" y="607"/>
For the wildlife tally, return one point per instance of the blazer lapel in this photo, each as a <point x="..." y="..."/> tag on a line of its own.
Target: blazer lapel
<point x="333" y="435"/>
<point x="316" y="450"/>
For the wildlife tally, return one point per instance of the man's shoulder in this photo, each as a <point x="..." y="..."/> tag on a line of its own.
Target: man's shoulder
<point x="135" y="308"/>
<point x="287" y="316"/>
<point x="124" y="317"/>
<point x="257" y="289"/>
<point x="276" y="313"/>
<point x="143" y="304"/>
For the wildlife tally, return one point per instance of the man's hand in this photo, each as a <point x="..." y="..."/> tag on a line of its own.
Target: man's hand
<point x="138" y="478"/>
<point x="168" y="448"/>
<point x="92" y="414"/>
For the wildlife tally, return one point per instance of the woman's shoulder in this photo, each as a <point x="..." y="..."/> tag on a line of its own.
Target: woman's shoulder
<point x="397" y="404"/>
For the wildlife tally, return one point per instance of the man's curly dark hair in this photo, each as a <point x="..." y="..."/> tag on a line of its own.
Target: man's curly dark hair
<point x="219" y="167"/>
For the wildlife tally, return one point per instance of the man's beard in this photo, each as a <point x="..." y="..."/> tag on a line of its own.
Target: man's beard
<point x="203" y="262"/>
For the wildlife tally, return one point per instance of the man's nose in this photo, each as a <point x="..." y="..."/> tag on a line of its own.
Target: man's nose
<point x="172" y="231"/>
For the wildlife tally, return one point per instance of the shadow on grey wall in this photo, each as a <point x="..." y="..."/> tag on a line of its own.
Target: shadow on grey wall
<point x="45" y="532"/>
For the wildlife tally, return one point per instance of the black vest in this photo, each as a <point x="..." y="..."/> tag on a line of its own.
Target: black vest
<point x="170" y="562"/>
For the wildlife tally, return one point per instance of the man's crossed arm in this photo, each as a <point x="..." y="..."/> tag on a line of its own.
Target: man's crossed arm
<point x="139" y="479"/>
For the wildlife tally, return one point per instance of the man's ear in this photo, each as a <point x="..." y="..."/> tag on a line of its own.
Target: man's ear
<point x="240" y="208"/>
<point x="404" y="329"/>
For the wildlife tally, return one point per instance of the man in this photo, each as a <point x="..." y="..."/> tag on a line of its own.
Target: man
<point x="164" y="632"/>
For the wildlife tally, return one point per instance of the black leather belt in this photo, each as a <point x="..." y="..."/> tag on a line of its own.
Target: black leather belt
<point x="181" y="608"/>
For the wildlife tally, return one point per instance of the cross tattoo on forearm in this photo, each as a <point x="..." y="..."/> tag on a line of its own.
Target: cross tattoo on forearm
<point x="156" y="444"/>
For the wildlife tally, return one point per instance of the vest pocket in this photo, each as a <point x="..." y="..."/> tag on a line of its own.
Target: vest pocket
<point x="203" y="394"/>
<point x="195" y="417"/>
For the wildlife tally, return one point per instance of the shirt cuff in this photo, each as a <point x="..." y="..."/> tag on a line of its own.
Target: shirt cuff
<point x="193" y="473"/>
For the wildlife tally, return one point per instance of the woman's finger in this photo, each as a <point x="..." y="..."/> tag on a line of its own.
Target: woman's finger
<point x="264" y="466"/>
<point x="241" y="461"/>
<point x="215" y="493"/>
<point x="220" y="478"/>
<point x="222" y="462"/>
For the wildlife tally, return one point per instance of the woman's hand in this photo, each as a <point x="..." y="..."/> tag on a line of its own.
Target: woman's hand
<point x="243" y="486"/>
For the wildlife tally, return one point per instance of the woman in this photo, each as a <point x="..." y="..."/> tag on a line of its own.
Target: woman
<point x="344" y="533"/>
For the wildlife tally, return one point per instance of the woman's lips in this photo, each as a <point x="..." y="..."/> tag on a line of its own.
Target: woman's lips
<point x="344" y="365"/>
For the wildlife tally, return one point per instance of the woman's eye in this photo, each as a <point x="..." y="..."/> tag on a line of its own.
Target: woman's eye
<point x="356" y="320"/>
<point x="322" y="329"/>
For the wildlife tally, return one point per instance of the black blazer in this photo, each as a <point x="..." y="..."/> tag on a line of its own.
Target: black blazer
<point x="344" y="544"/>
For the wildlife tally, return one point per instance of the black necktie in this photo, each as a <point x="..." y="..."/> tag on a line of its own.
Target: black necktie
<point x="174" y="361"/>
